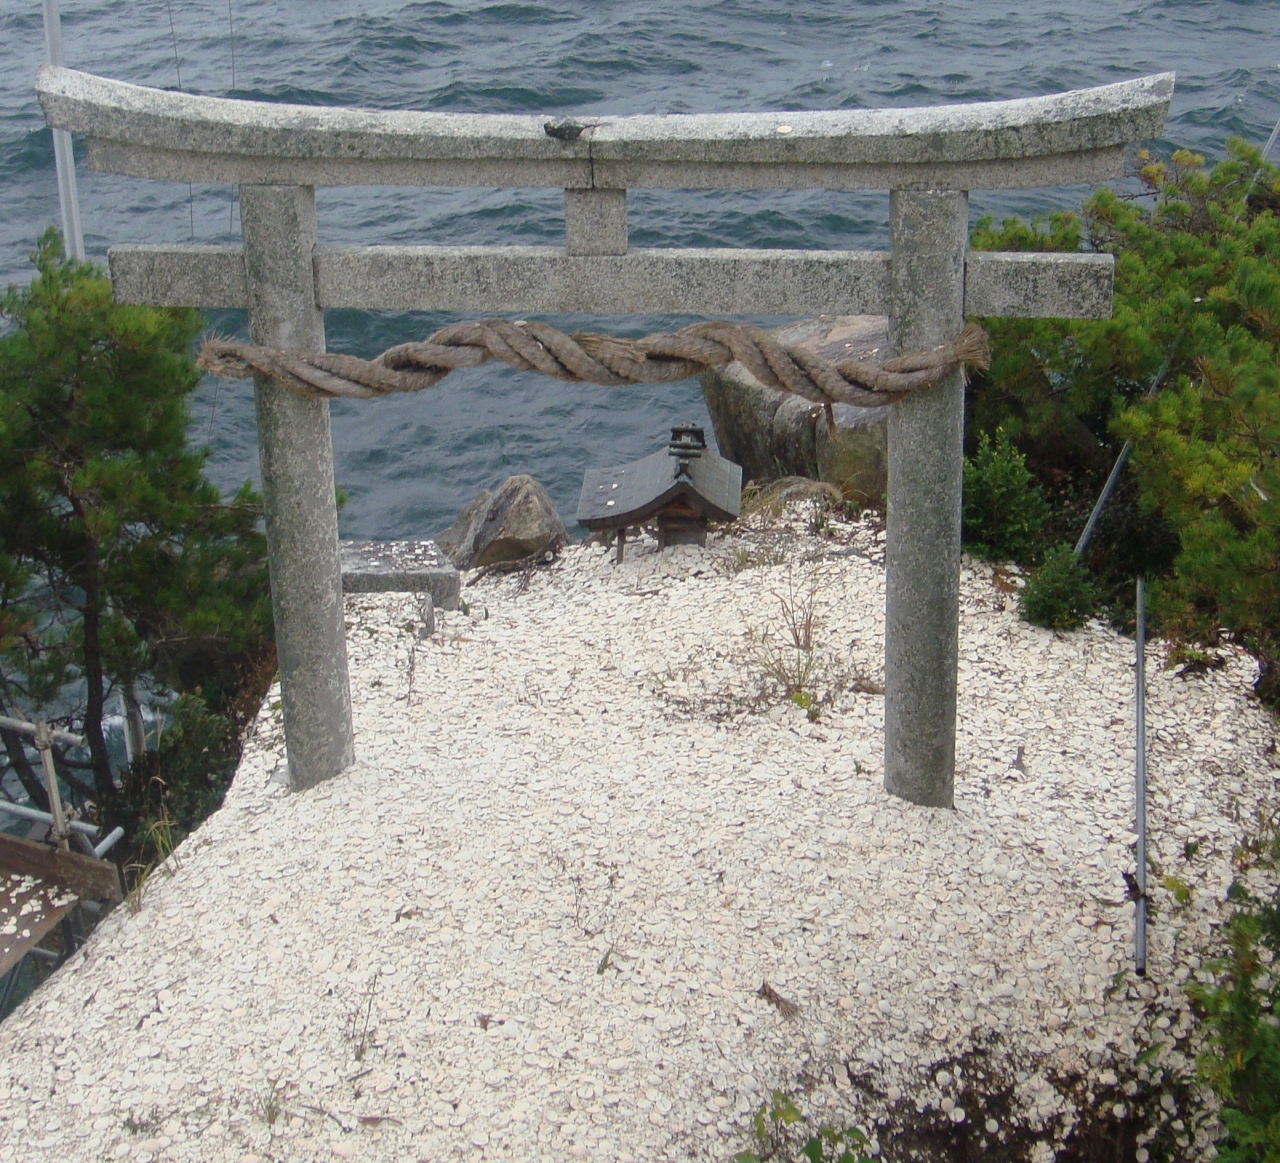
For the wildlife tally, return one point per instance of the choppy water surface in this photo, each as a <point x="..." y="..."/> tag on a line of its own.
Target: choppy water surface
<point x="409" y="463"/>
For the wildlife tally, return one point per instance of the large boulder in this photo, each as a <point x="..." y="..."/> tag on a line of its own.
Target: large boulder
<point x="774" y="434"/>
<point x="511" y="524"/>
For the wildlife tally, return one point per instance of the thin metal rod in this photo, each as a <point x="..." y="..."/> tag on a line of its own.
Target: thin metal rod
<point x="1103" y="498"/>
<point x="1087" y="535"/>
<point x="29" y="729"/>
<point x="1266" y="149"/>
<point x="112" y="838"/>
<point x="63" y="157"/>
<point x="39" y="817"/>
<point x="10" y="983"/>
<point x="1140" y="787"/>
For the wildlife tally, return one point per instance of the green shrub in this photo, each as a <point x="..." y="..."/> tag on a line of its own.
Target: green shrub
<point x="1239" y="1010"/>
<point x="1005" y="511"/>
<point x="1197" y="297"/>
<point x="775" y="1139"/>
<point x="121" y="565"/>
<point x="1060" y="594"/>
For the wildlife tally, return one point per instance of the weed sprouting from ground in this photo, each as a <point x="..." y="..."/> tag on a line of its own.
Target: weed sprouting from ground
<point x="360" y="1022"/>
<point x="157" y="834"/>
<point x="267" y="1105"/>
<point x="588" y="920"/>
<point x="792" y="664"/>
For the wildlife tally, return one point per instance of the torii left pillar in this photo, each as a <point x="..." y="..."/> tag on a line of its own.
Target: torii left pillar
<point x="295" y="450"/>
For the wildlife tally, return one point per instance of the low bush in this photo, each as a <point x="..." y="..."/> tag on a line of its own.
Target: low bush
<point x="1197" y="313"/>
<point x="1240" y="1009"/>
<point x="1060" y="594"/>
<point x="1005" y="510"/>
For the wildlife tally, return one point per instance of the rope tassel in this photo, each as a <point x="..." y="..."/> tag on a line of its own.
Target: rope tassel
<point x="598" y="359"/>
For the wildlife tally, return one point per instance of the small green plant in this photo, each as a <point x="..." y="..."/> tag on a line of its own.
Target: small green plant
<point x="837" y="1146"/>
<point x="267" y="1105"/>
<point x="1005" y="511"/>
<point x="156" y="836"/>
<point x="754" y="557"/>
<point x="771" y="1125"/>
<point x="792" y="664"/>
<point x="1060" y="594"/>
<point x="819" y="516"/>
<point x="1239" y="1008"/>
<point x="805" y="700"/>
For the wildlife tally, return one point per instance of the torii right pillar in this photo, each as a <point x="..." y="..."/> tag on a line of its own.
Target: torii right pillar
<point x="929" y="232"/>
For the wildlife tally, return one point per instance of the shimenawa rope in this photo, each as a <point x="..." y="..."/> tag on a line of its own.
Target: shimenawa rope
<point x="599" y="359"/>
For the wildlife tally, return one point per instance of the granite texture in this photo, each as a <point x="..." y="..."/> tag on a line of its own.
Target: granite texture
<point x="929" y="232"/>
<point x="727" y="281"/>
<point x="295" y="450"/>
<point x="658" y="280"/>
<point x="595" y="221"/>
<point x="1016" y="285"/>
<point x="1068" y="137"/>
<point x="399" y="567"/>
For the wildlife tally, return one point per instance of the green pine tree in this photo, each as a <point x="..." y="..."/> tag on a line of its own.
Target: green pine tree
<point x="118" y="559"/>
<point x="1197" y="298"/>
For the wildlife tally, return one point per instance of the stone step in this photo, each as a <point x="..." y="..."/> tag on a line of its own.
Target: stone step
<point x="380" y="567"/>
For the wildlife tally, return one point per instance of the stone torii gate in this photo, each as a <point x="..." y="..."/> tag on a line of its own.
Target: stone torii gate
<point x="927" y="283"/>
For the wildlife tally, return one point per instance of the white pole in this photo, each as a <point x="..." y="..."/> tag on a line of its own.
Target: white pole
<point x="64" y="160"/>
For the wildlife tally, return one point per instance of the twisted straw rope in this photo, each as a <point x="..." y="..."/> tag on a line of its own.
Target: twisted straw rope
<point x="598" y="359"/>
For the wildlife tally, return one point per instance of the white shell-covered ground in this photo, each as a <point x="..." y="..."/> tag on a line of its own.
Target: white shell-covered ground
<point x="583" y="830"/>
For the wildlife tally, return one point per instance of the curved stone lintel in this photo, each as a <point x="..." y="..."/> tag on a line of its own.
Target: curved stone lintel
<point x="1032" y="141"/>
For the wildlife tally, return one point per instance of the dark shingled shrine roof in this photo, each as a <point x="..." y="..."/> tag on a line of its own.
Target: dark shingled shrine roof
<point x="632" y="493"/>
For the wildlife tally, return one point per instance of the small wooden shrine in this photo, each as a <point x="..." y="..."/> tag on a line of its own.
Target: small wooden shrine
<point x="681" y="488"/>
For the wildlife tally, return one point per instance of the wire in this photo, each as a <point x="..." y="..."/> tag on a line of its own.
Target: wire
<point x="231" y="36"/>
<point x="173" y="33"/>
<point x="231" y="32"/>
<point x="177" y="66"/>
<point x="1266" y="149"/>
<point x="1087" y="535"/>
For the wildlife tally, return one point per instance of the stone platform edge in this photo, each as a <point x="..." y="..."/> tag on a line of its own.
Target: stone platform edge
<point x="380" y="567"/>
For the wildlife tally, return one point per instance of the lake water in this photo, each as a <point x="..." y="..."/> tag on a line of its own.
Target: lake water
<point x="409" y="463"/>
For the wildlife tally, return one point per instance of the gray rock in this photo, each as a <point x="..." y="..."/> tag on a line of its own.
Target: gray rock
<point x="457" y="541"/>
<point x="773" y="434"/>
<point x="403" y="567"/>
<point x="509" y="525"/>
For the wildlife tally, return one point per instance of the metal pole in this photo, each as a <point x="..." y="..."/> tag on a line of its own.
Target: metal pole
<point x="38" y="817"/>
<point x="1140" y="789"/>
<point x="29" y="729"/>
<point x="45" y="746"/>
<point x="113" y="837"/>
<point x="63" y="157"/>
<point x="10" y="984"/>
<point x="1266" y="149"/>
<point x="1103" y="498"/>
<point x="1116" y="469"/>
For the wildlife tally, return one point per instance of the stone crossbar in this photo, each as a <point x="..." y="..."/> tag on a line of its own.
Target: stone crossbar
<point x="544" y="279"/>
<point x="1078" y="136"/>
